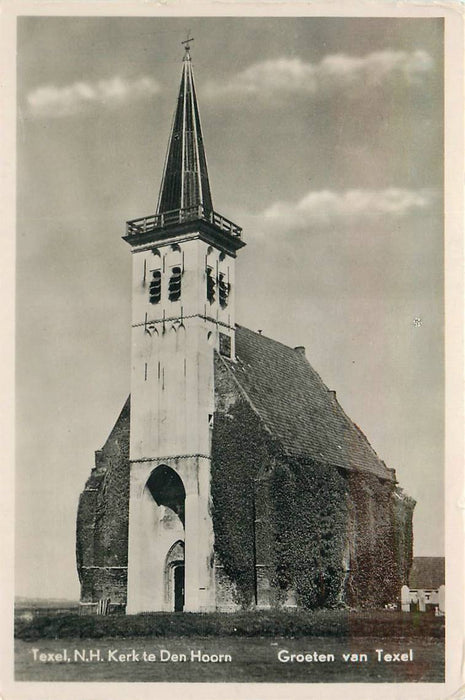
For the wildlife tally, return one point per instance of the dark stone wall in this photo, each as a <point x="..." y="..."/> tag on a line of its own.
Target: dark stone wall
<point x="104" y="582"/>
<point x="102" y="521"/>
<point x="227" y="599"/>
<point x="322" y="534"/>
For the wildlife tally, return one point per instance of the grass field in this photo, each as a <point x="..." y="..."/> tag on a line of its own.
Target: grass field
<point x="61" y="624"/>
<point x="240" y="647"/>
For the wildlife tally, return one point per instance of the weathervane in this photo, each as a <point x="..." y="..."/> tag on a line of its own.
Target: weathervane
<point x="186" y="43"/>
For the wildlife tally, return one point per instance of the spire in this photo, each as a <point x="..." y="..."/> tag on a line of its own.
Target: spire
<point x="185" y="202"/>
<point x="185" y="177"/>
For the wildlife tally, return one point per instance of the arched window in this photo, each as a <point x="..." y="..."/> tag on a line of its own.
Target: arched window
<point x="210" y="285"/>
<point x="223" y="290"/>
<point x="167" y="489"/>
<point x="174" y="285"/>
<point x="155" y="287"/>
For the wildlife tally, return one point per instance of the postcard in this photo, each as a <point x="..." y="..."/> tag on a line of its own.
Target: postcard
<point x="238" y="350"/>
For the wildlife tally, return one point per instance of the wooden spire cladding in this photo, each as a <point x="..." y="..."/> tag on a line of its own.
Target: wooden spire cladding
<point x="185" y="202"/>
<point x="185" y="181"/>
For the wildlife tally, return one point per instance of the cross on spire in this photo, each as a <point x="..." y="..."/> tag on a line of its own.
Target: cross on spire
<point x="186" y="43"/>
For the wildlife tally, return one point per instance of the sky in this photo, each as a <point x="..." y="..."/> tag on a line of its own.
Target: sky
<point x="324" y="142"/>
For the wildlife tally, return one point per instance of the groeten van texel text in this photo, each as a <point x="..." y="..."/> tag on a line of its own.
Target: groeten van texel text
<point x="116" y="655"/>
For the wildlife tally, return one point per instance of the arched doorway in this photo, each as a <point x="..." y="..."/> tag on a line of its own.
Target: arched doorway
<point x="164" y="537"/>
<point x="170" y="506"/>
<point x="174" y="577"/>
<point x="178" y="586"/>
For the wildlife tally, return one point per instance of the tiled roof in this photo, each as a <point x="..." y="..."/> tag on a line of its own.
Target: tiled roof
<point x="427" y="572"/>
<point x="296" y="406"/>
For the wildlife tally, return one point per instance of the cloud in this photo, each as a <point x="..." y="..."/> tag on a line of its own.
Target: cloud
<point x="53" y="101"/>
<point x="334" y="73"/>
<point x="326" y="208"/>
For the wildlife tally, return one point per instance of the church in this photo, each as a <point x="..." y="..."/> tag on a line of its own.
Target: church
<point x="232" y="478"/>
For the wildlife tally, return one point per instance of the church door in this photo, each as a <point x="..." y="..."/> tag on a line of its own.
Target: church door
<point x="179" y="588"/>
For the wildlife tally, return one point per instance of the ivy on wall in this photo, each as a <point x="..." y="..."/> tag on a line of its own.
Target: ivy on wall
<point x="377" y="564"/>
<point x="112" y="511"/>
<point x="102" y="521"/>
<point x="299" y="506"/>
<point x="306" y="514"/>
<point x="236" y="456"/>
<point x="403" y="532"/>
<point x="310" y="517"/>
<point x="327" y="534"/>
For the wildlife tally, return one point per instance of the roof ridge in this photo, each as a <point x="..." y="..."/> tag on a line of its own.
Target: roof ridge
<point x="266" y="337"/>
<point x="362" y="434"/>
<point x="296" y="405"/>
<point x="245" y="394"/>
<point x="324" y="386"/>
<point x="267" y="427"/>
<point x="289" y="347"/>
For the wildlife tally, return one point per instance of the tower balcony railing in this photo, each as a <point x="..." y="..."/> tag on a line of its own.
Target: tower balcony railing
<point x="179" y="216"/>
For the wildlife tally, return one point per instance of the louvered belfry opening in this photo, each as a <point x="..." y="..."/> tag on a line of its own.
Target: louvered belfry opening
<point x="185" y="181"/>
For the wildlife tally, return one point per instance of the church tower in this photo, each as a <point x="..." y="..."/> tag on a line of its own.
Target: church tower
<point x="182" y="311"/>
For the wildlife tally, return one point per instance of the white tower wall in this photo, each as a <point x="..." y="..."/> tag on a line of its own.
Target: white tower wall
<point x="172" y="405"/>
